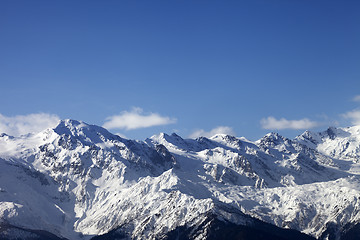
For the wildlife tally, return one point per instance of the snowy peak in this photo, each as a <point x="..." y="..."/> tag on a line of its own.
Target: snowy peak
<point x="166" y="139"/>
<point x="172" y="142"/>
<point x="333" y="133"/>
<point x="272" y="139"/>
<point x="228" y="140"/>
<point x="274" y="142"/>
<point x="70" y="127"/>
<point x="340" y="143"/>
<point x="84" y="132"/>
<point x="309" y="139"/>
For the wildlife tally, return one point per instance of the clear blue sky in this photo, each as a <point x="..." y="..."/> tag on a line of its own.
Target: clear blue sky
<point x="202" y="64"/>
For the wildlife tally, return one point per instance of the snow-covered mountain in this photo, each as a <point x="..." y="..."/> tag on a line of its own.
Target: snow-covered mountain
<point x="78" y="181"/>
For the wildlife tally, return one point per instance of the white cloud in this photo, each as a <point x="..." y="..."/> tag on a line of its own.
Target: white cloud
<point x="212" y="132"/>
<point x="136" y="119"/>
<point x="23" y="124"/>
<point x="121" y="135"/>
<point x="278" y="124"/>
<point x="356" y="98"/>
<point x="354" y="116"/>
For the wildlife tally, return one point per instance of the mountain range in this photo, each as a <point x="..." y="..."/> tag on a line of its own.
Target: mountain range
<point x="78" y="181"/>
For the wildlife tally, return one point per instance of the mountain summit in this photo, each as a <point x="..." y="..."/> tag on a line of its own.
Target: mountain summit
<point x="79" y="181"/>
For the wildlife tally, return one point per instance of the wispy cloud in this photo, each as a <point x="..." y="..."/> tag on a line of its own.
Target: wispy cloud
<point x="23" y="124"/>
<point x="136" y="119"/>
<point x="278" y="124"/>
<point x="356" y="98"/>
<point x="212" y="132"/>
<point x="353" y="116"/>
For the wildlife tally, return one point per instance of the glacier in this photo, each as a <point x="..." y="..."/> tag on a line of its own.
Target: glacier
<point x="78" y="181"/>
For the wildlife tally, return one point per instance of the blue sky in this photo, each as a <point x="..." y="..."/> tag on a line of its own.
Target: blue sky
<point x="191" y="67"/>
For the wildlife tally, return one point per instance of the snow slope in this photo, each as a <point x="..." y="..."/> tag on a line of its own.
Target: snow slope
<point x="77" y="181"/>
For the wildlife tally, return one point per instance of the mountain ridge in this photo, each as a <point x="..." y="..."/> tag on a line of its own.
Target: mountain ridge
<point x="80" y="181"/>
